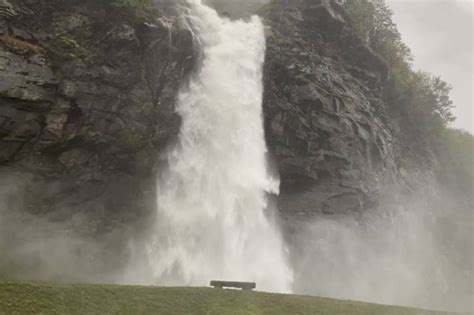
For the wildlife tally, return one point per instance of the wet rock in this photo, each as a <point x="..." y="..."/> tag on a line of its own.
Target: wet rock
<point x="72" y="22"/>
<point x="77" y="158"/>
<point x="7" y="10"/>
<point x="325" y="135"/>
<point x="68" y="89"/>
<point x="27" y="80"/>
<point x="26" y="126"/>
<point x="87" y="103"/>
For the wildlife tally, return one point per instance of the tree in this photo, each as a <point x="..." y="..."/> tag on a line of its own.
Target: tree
<point x="373" y="21"/>
<point x="423" y="98"/>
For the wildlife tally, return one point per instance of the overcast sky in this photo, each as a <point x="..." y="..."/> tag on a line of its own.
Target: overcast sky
<point x="440" y="35"/>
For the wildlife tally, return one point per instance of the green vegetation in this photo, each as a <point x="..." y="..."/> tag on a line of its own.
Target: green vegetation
<point x="420" y="99"/>
<point x="372" y="19"/>
<point x="40" y="298"/>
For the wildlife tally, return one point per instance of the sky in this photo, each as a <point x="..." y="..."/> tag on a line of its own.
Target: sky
<point x="440" y="35"/>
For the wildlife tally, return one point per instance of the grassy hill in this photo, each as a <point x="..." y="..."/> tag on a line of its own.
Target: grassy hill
<point x="42" y="298"/>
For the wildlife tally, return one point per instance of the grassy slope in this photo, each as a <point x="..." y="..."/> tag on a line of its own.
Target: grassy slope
<point x="40" y="298"/>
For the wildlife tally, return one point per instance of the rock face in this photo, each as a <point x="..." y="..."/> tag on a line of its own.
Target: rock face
<point x="87" y="103"/>
<point x="325" y="122"/>
<point x="87" y="95"/>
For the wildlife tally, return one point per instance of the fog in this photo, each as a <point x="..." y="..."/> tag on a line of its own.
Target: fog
<point x="411" y="249"/>
<point x="414" y="248"/>
<point x="38" y="245"/>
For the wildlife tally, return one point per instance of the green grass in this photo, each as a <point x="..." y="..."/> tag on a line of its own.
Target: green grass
<point x="41" y="298"/>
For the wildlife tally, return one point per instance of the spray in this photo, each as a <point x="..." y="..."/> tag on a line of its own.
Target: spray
<point x="213" y="216"/>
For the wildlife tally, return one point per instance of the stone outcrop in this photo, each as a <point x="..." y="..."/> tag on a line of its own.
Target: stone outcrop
<point x="325" y="119"/>
<point x="87" y="95"/>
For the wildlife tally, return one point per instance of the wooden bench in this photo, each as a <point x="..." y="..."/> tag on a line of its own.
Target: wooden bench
<point x="233" y="284"/>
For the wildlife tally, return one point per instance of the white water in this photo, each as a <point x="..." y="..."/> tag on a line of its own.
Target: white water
<point x="212" y="198"/>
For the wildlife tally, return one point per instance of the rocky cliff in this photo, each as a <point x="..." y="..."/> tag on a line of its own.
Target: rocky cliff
<point x="87" y="95"/>
<point x="87" y="99"/>
<point x="325" y="119"/>
<point x="87" y="106"/>
<point x="87" y="103"/>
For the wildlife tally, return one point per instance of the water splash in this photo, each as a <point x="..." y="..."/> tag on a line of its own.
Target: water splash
<point x="212" y="208"/>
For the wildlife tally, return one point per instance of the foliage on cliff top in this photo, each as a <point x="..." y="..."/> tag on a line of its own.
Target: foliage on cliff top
<point x="422" y="100"/>
<point x="38" y="298"/>
<point x="372" y="20"/>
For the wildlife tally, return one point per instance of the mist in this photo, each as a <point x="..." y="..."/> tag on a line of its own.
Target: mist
<point x="413" y="248"/>
<point x="39" y="245"/>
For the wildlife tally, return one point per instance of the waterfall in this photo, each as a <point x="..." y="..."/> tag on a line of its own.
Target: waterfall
<point x="213" y="217"/>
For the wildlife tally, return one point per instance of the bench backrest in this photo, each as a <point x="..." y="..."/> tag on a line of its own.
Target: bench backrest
<point x="234" y="284"/>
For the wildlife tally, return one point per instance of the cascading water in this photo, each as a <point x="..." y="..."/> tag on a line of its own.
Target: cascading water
<point x="212" y="198"/>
